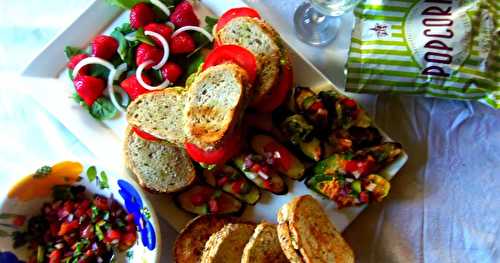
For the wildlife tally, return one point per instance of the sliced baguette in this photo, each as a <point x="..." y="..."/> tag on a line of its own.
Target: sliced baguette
<point x="160" y="114"/>
<point x="226" y="246"/>
<point x="191" y="240"/>
<point x="311" y="233"/>
<point x="263" y="246"/>
<point x="262" y="40"/>
<point x="159" y="166"/>
<point x="214" y="104"/>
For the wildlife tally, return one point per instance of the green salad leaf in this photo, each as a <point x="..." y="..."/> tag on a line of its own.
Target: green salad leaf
<point x="139" y="35"/>
<point x="70" y="51"/>
<point x="126" y="4"/>
<point x="103" y="109"/>
<point x="125" y="48"/>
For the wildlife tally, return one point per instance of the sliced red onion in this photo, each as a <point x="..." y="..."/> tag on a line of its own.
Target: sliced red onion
<point x="170" y="24"/>
<point x="194" y="28"/>
<point x="263" y="175"/>
<point x="91" y="60"/>
<point x="161" y="6"/>
<point x="113" y="75"/>
<point x="164" y="43"/>
<point x="138" y="75"/>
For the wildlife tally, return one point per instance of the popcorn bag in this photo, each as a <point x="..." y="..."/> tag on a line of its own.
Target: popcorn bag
<point x="438" y="48"/>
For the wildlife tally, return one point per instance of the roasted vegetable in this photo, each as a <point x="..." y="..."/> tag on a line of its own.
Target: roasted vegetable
<point x="351" y="179"/>
<point x="233" y="182"/>
<point x="278" y="156"/>
<point x="297" y="129"/>
<point x="258" y="171"/>
<point x="204" y="199"/>
<point x="312" y="106"/>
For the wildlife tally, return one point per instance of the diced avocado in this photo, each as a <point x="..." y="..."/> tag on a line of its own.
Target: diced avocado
<point x="226" y="203"/>
<point x="276" y="184"/>
<point x="312" y="149"/>
<point x="328" y="166"/>
<point x="284" y="161"/>
<point x="356" y="186"/>
<point x="252" y="193"/>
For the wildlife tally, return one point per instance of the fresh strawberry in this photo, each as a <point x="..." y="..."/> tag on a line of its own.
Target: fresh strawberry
<point x="74" y="60"/>
<point x="147" y="52"/>
<point x="164" y="30"/>
<point x="171" y="71"/>
<point x="182" y="43"/>
<point x="184" y="15"/>
<point x="89" y="88"/>
<point x="133" y="87"/>
<point x="104" y="47"/>
<point x="140" y="15"/>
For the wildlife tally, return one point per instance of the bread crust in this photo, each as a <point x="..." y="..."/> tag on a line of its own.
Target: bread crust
<point x="190" y="243"/>
<point x="314" y="234"/>
<point x="129" y="163"/>
<point x="286" y="243"/>
<point x="226" y="246"/>
<point x="264" y="246"/>
<point x="208" y="134"/>
<point x="268" y="63"/>
<point x="170" y="118"/>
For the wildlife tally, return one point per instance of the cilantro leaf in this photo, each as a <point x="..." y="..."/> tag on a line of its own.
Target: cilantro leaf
<point x="91" y="173"/>
<point x="103" y="180"/>
<point x="103" y="109"/>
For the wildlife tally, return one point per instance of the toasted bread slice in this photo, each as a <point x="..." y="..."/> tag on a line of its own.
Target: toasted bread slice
<point x="312" y="234"/>
<point x="214" y="104"/>
<point x="286" y="243"/>
<point x="263" y="41"/>
<point x="263" y="246"/>
<point x="226" y="246"/>
<point x="159" y="113"/>
<point x="191" y="241"/>
<point x="159" y="166"/>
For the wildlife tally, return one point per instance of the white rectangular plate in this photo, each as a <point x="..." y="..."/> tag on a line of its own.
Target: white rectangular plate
<point x="105" y="139"/>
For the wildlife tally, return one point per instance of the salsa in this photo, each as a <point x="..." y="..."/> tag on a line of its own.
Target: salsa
<point x="76" y="228"/>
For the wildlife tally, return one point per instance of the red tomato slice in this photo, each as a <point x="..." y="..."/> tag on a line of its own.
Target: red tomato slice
<point x="233" y="54"/>
<point x="277" y="95"/>
<point x="229" y="148"/>
<point x="234" y="13"/>
<point x="144" y="135"/>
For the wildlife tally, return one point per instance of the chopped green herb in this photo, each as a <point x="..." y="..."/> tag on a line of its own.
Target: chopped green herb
<point x="42" y="171"/>
<point x="91" y="173"/>
<point x="99" y="233"/>
<point x="145" y="211"/>
<point x="103" y="180"/>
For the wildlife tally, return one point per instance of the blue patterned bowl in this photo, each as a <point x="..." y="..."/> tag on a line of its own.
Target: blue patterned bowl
<point x="27" y="196"/>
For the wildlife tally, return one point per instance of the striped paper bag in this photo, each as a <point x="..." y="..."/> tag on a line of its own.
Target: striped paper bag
<point x="440" y="48"/>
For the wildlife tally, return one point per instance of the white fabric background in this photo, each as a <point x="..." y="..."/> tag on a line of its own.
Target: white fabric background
<point x="444" y="205"/>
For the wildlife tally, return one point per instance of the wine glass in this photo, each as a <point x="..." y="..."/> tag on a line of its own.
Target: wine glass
<point x="318" y="21"/>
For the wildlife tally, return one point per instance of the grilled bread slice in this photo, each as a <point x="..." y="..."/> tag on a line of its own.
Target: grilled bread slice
<point x="159" y="113"/>
<point x="263" y="41"/>
<point x="191" y="241"/>
<point x="159" y="166"/>
<point x="226" y="246"/>
<point x="263" y="246"/>
<point x="310" y="233"/>
<point x="214" y="104"/>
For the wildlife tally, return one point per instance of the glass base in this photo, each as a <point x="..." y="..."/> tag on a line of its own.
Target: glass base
<point x="313" y="27"/>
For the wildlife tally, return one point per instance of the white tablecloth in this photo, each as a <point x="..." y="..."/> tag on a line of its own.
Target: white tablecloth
<point x="444" y="205"/>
